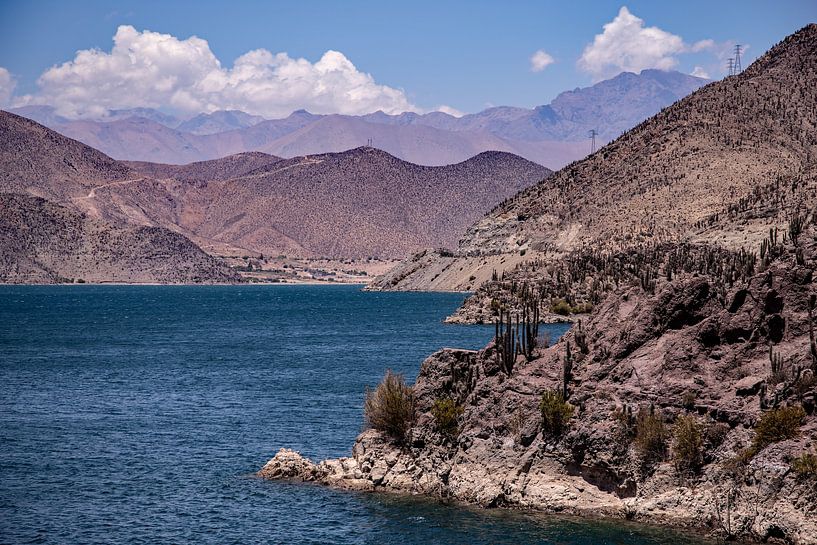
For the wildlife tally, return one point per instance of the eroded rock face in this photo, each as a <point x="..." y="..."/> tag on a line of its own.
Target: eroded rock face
<point x="692" y="348"/>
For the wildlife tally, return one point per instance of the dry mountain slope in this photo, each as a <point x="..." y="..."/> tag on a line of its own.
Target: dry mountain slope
<point x="359" y="203"/>
<point x="719" y="166"/>
<point x="39" y="161"/>
<point x="42" y="241"/>
<point x="232" y="166"/>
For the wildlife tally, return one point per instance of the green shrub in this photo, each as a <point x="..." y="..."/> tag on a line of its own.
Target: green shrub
<point x="805" y="466"/>
<point x="446" y="412"/>
<point x="688" y="449"/>
<point x="777" y="425"/>
<point x="390" y="406"/>
<point x="560" y="307"/>
<point x="650" y="436"/>
<point x="556" y="412"/>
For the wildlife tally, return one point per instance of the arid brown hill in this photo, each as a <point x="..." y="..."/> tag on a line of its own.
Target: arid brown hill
<point x="43" y="242"/>
<point x="720" y="166"/>
<point x="39" y="161"/>
<point x="233" y="166"/>
<point x="359" y="203"/>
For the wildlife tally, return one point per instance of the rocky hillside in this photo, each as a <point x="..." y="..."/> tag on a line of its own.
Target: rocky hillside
<point x="37" y="160"/>
<point x="45" y="243"/>
<point x="225" y="168"/>
<point x="359" y="203"/>
<point x="721" y="167"/>
<point x="689" y="402"/>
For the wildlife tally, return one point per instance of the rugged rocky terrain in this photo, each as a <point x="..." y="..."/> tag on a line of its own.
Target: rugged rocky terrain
<point x="686" y="394"/>
<point x="644" y="369"/>
<point x="551" y="135"/>
<point x="45" y="243"/>
<point x="720" y="167"/>
<point x="355" y="204"/>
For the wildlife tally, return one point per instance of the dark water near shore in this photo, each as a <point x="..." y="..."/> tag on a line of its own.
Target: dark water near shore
<point x="138" y="414"/>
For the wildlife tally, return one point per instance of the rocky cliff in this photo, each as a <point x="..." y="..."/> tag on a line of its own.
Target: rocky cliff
<point x="693" y="404"/>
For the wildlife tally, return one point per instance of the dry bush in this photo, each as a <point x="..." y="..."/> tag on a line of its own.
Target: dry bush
<point x="716" y="434"/>
<point x="556" y="412"/>
<point x="651" y="436"/>
<point x="777" y="425"/>
<point x="805" y="466"/>
<point x="688" y="445"/>
<point x="390" y="406"/>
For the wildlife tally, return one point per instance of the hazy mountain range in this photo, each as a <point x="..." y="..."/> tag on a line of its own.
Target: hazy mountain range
<point x="551" y="135"/>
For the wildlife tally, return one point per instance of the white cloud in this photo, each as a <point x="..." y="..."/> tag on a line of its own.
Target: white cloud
<point x="149" y="69"/>
<point x="703" y="45"/>
<point x="540" y="60"/>
<point x="449" y="110"/>
<point x="699" y="72"/>
<point x="627" y="45"/>
<point x="7" y="85"/>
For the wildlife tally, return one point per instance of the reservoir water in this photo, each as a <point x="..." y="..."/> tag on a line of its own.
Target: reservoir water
<point x="138" y="414"/>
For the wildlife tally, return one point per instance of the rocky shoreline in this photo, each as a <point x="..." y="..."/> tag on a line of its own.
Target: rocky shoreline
<point x="688" y="350"/>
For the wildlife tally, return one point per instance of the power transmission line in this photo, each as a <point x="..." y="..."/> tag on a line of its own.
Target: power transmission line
<point x="738" y="69"/>
<point x="592" y="134"/>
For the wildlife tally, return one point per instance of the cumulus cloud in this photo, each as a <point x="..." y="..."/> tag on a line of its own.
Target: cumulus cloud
<point x="540" y="60"/>
<point x="7" y="85"/>
<point x="149" y="69"/>
<point x="700" y="72"/>
<point x="626" y="44"/>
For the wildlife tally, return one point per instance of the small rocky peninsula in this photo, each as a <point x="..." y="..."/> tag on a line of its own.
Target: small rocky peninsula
<point x="687" y="400"/>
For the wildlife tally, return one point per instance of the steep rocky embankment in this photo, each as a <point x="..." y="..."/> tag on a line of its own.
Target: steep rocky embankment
<point x="693" y="404"/>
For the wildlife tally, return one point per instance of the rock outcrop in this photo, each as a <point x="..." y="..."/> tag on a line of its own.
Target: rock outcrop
<point x="690" y="349"/>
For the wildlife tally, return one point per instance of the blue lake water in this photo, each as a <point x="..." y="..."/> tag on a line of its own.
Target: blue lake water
<point x="137" y="414"/>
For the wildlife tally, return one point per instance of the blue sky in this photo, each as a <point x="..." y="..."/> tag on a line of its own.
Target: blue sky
<point x="464" y="55"/>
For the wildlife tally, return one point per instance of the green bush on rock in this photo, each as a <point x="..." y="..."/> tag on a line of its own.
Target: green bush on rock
<point x="446" y="413"/>
<point x="777" y="425"/>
